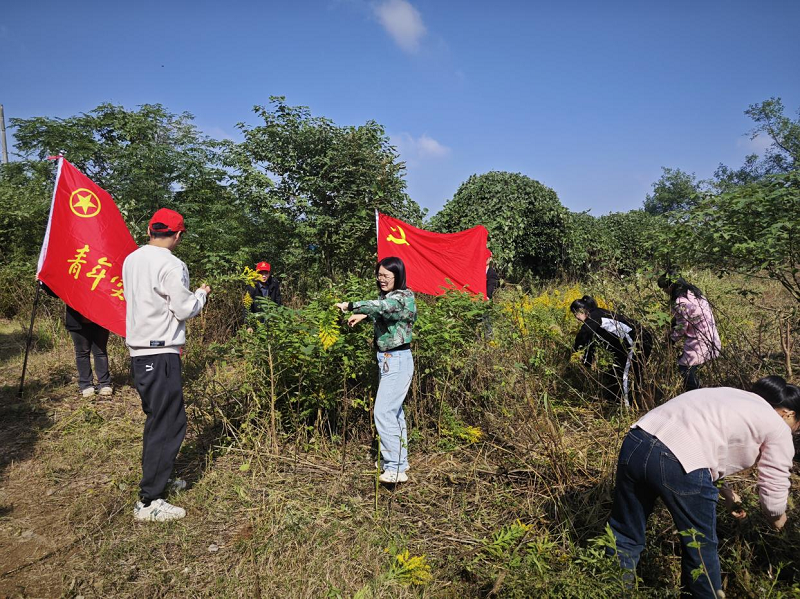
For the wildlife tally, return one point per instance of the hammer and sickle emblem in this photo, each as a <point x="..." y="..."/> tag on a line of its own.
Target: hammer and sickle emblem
<point x="398" y="240"/>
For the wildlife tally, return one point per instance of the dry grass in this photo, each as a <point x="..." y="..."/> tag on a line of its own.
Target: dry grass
<point x="301" y="516"/>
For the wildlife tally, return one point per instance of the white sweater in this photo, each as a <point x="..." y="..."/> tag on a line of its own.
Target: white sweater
<point x="158" y="301"/>
<point x="727" y="430"/>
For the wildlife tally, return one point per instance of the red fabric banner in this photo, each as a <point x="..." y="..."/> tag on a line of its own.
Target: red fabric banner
<point x="432" y="258"/>
<point x="83" y="249"/>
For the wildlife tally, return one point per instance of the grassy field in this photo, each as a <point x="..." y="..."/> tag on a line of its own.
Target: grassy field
<point x="512" y="452"/>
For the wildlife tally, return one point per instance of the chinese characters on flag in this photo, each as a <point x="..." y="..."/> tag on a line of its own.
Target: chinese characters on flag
<point x="431" y="259"/>
<point x="83" y="249"/>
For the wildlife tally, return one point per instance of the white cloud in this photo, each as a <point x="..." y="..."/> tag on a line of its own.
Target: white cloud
<point x="427" y="147"/>
<point x="758" y="144"/>
<point x="422" y="147"/>
<point x="402" y="21"/>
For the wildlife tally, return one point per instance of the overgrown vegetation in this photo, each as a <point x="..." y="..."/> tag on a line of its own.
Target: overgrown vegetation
<point x="513" y="442"/>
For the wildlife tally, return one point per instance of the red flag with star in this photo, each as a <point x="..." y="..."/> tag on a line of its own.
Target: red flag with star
<point x="436" y="262"/>
<point x="83" y="249"/>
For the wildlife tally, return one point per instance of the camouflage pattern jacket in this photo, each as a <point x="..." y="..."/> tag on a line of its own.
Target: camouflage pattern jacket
<point x="393" y="316"/>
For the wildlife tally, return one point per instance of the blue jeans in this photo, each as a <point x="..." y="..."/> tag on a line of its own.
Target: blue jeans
<point x="646" y="470"/>
<point x="396" y="369"/>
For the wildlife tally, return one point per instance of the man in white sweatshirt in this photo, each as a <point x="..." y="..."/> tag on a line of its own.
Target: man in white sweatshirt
<point x="159" y="302"/>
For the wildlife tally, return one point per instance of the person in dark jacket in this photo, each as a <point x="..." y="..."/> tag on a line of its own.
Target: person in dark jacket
<point x="265" y="286"/>
<point x="492" y="278"/>
<point x="87" y="337"/>
<point x="627" y="341"/>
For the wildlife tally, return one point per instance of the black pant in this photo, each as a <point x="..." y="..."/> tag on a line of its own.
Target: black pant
<point x="642" y="350"/>
<point x="689" y="374"/>
<point x="94" y="338"/>
<point x="158" y="380"/>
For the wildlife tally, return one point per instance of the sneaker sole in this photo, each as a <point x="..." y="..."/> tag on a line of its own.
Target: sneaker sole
<point x="401" y="478"/>
<point x="154" y="516"/>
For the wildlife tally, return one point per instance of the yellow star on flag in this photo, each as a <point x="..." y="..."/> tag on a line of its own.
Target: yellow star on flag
<point x="85" y="202"/>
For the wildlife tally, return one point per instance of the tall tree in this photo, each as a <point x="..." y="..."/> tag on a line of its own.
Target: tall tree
<point x="674" y="190"/>
<point x="527" y="224"/>
<point x="754" y="228"/>
<point x="147" y="159"/>
<point x="326" y="181"/>
<point x="782" y="155"/>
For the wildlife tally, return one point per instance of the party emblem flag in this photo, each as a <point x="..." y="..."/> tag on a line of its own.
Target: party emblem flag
<point x="83" y="249"/>
<point x="436" y="262"/>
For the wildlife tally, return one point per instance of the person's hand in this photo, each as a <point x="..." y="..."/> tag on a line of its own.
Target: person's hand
<point x="206" y="288"/>
<point x="733" y="503"/>
<point x="777" y="522"/>
<point x="355" y="319"/>
<point x="342" y="306"/>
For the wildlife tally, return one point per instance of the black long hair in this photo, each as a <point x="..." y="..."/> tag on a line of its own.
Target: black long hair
<point x="584" y="304"/>
<point x="778" y="393"/>
<point x="680" y="286"/>
<point x="395" y="266"/>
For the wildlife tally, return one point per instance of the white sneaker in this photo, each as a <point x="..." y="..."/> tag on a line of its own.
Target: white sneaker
<point x="106" y="391"/>
<point x="88" y="392"/>
<point x="158" y="511"/>
<point x="393" y="477"/>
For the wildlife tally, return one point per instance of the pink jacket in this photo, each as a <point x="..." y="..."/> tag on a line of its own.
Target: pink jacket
<point x="727" y="430"/>
<point x="694" y="323"/>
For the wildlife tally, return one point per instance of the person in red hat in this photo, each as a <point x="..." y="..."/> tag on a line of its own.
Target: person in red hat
<point x="265" y="286"/>
<point x="158" y="303"/>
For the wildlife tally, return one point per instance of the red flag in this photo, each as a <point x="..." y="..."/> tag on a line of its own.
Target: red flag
<point x="431" y="258"/>
<point x="83" y="249"/>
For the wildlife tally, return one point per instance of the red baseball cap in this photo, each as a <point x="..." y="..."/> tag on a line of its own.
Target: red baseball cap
<point x="166" y="221"/>
<point x="262" y="266"/>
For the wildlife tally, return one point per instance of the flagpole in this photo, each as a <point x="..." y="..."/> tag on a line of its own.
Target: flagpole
<point x="28" y="342"/>
<point x="38" y="268"/>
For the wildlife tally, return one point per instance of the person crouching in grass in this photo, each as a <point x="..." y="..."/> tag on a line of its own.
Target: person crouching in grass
<point x="679" y="449"/>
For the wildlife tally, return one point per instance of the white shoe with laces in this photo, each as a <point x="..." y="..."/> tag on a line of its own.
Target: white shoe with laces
<point x="88" y="392"/>
<point x="106" y="391"/>
<point x="158" y="511"/>
<point x="392" y="477"/>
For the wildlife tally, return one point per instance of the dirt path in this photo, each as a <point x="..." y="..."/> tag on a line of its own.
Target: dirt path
<point x="38" y="487"/>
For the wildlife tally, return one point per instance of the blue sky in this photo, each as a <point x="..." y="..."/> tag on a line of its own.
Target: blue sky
<point x="589" y="98"/>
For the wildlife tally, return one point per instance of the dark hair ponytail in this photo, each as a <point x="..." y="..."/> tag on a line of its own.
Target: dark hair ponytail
<point x="680" y="286"/>
<point x="778" y="393"/>
<point x="584" y="304"/>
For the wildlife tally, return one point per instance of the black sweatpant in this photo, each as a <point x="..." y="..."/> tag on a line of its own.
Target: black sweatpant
<point x="91" y="338"/>
<point x="158" y="380"/>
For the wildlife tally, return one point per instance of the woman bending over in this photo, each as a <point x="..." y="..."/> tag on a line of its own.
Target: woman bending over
<point x="677" y="451"/>
<point x="628" y="342"/>
<point x="693" y="322"/>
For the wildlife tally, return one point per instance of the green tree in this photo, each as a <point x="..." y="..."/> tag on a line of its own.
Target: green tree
<point x="620" y="241"/>
<point x="147" y="159"/>
<point x="674" y="190"/>
<point x="782" y="156"/>
<point x="754" y="229"/>
<point x="527" y="224"/>
<point x="26" y="189"/>
<point x="325" y="182"/>
<point x="784" y="153"/>
<point x="635" y="239"/>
